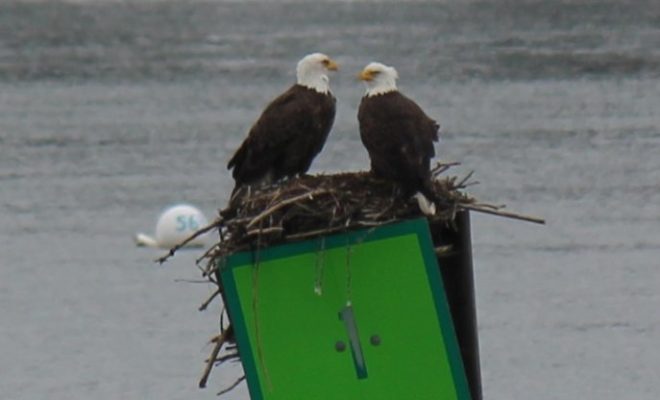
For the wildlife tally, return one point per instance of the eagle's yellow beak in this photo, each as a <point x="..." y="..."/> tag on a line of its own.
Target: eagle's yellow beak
<point x="365" y="75"/>
<point x="332" y="65"/>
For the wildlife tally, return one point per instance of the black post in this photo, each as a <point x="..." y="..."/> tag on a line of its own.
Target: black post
<point x="458" y="277"/>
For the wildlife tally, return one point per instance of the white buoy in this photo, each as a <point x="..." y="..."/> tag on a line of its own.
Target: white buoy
<point x="176" y="224"/>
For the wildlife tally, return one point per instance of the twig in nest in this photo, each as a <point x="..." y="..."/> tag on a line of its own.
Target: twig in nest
<point x="501" y="213"/>
<point x="285" y="203"/>
<point x="226" y="357"/>
<point x="317" y="232"/>
<point x="207" y="253"/>
<point x="214" y="354"/>
<point x="265" y="231"/>
<point x="373" y="223"/>
<point x="179" y="280"/>
<point x="461" y="184"/>
<point x="232" y="386"/>
<point x="209" y="300"/>
<point x="491" y="206"/>
<point x="443" y="251"/>
<point x="190" y="238"/>
<point x="442" y="167"/>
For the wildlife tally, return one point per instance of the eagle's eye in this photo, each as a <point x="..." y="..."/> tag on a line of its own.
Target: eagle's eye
<point x="325" y="62"/>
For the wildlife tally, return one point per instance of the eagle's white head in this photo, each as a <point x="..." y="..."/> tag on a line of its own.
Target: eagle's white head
<point x="379" y="78"/>
<point x="312" y="72"/>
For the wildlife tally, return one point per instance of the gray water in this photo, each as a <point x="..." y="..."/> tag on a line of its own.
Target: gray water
<point x="111" y="111"/>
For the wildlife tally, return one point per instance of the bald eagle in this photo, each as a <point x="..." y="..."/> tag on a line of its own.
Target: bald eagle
<point x="291" y="130"/>
<point x="398" y="135"/>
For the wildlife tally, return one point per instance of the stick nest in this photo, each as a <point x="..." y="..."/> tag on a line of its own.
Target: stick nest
<point x="316" y="205"/>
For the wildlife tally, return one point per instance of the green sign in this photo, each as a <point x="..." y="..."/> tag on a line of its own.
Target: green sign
<point x="360" y="315"/>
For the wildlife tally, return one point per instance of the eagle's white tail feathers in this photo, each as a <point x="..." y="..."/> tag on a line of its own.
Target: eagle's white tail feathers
<point x="425" y="205"/>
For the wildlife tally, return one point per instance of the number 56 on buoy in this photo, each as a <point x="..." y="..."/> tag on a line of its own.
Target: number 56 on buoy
<point x="175" y="224"/>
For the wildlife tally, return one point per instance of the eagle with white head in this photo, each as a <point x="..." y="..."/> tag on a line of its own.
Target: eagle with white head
<point x="398" y="135"/>
<point x="291" y="130"/>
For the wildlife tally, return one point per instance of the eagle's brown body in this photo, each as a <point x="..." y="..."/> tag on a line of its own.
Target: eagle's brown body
<point x="399" y="137"/>
<point x="290" y="132"/>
